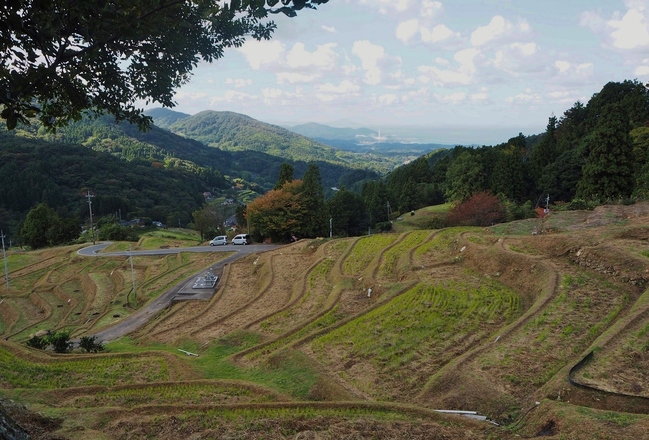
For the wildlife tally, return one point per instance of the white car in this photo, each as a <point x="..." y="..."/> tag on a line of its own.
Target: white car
<point x="221" y="240"/>
<point x="242" y="239"/>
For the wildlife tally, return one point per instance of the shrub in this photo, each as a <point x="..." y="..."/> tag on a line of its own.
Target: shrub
<point x="482" y="209"/>
<point x="90" y="344"/>
<point x="60" y="342"/>
<point x="37" y="342"/>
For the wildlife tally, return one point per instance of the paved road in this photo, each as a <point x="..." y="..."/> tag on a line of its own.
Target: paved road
<point x="151" y="309"/>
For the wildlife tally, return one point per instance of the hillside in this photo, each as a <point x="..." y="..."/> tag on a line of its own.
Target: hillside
<point x="314" y="130"/>
<point x="367" y="335"/>
<point x="236" y="132"/>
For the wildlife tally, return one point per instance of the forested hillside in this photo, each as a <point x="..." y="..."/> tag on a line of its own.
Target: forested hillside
<point x="595" y="152"/>
<point x="236" y="132"/>
<point x="34" y="171"/>
<point x="188" y="163"/>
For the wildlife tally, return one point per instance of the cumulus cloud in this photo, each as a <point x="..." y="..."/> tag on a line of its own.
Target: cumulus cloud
<point x="632" y="30"/>
<point x="437" y="33"/>
<point x="407" y="29"/>
<point x="498" y="28"/>
<point x="370" y="55"/>
<point x="388" y="99"/>
<point x="452" y="98"/>
<point x="387" y="6"/>
<point x="295" y="77"/>
<point x="232" y="96"/>
<point x="526" y="97"/>
<point x="463" y="74"/>
<point x="430" y="8"/>
<point x="258" y="53"/>
<point x="626" y="31"/>
<point x="238" y="82"/>
<point x="330" y="92"/>
<point x="574" y="69"/>
<point x="324" y="56"/>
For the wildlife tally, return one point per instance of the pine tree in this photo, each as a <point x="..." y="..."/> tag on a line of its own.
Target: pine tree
<point x="285" y="175"/>
<point x="313" y="223"/>
<point x="608" y="172"/>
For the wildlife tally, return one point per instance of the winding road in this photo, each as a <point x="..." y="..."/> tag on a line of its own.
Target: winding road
<point x="142" y="315"/>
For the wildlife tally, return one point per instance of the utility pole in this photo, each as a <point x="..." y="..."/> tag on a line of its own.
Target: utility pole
<point x="92" y="230"/>
<point x="4" y="256"/>
<point x="331" y="231"/>
<point x="130" y="254"/>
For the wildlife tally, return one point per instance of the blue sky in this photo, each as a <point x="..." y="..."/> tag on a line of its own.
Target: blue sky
<point x="446" y="71"/>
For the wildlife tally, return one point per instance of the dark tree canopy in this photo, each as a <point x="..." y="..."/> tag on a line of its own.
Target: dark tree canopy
<point x="62" y="57"/>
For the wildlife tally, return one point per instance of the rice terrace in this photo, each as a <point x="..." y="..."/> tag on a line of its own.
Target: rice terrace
<point x="539" y="326"/>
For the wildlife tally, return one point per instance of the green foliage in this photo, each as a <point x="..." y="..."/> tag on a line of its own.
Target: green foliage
<point x="608" y="171"/>
<point x="347" y="213"/>
<point x="37" y="342"/>
<point x="60" y="341"/>
<point x="313" y="221"/>
<point x="106" y="56"/>
<point x="90" y="344"/>
<point x="115" y="232"/>
<point x="285" y="175"/>
<point x="43" y="227"/>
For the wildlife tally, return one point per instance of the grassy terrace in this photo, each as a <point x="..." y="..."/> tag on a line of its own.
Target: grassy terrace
<point x="478" y="319"/>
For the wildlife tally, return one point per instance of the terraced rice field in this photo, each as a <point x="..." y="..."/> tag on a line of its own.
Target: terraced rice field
<point x="365" y="335"/>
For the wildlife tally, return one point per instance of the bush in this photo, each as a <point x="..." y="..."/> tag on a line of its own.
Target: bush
<point x="90" y="344"/>
<point x="482" y="209"/>
<point x="37" y="342"/>
<point x="60" y="342"/>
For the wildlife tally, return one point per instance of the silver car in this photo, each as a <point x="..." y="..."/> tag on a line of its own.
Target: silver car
<point x="221" y="240"/>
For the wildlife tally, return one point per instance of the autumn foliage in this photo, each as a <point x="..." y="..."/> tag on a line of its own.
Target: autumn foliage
<point x="481" y="209"/>
<point x="278" y="212"/>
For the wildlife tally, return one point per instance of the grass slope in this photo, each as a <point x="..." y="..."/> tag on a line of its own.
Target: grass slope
<point x="366" y="335"/>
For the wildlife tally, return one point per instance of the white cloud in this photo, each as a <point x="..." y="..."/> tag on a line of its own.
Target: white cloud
<point x="462" y="75"/>
<point x="453" y="98"/>
<point x="437" y="34"/>
<point x="562" y="66"/>
<point x="526" y="48"/>
<point x="626" y="31"/>
<point x="385" y="6"/>
<point x="497" y="28"/>
<point x="528" y="96"/>
<point x="489" y="32"/>
<point x="278" y="97"/>
<point x="388" y="99"/>
<point x="482" y="95"/>
<point x="370" y="55"/>
<point x="574" y="69"/>
<point x="238" y="82"/>
<point x="324" y="56"/>
<point x="232" y="96"/>
<point x="295" y="77"/>
<point x="258" y="53"/>
<point x="407" y="29"/>
<point x="430" y="8"/>
<point x="329" y="92"/>
<point x="330" y="29"/>
<point x="642" y="70"/>
<point x="632" y="30"/>
<point x="592" y="20"/>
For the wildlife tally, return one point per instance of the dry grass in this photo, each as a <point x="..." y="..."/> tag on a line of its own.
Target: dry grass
<point x="474" y="319"/>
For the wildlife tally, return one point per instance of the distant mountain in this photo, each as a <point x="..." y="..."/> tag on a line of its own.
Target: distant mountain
<point x="235" y="132"/>
<point x="218" y="169"/>
<point x="314" y="130"/>
<point x="163" y="117"/>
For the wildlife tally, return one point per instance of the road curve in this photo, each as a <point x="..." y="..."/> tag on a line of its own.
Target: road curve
<point x="151" y="309"/>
